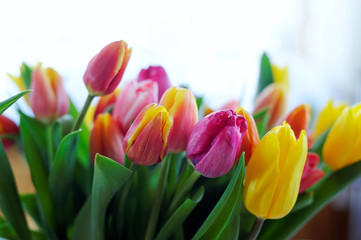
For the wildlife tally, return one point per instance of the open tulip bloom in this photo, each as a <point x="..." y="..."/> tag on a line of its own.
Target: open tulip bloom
<point x="139" y="164"/>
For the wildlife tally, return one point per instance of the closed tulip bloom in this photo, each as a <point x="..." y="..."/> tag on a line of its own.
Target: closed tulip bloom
<point x="48" y="100"/>
<point x="157" y="74"/>
<point x="134" y="97"/>
<point x="299" y="118"/>
<point x="106" y="139"/>
<point x="215" y="142"/>
<point x="146" y="140"/>
<point x="181" y="104"/>
<point x="311" y="174"/>
<point x="281" y="76"/>
<point x="343" y="143"/>
<point x="106" y="69"/>
<point x="7" y="127"/>
<point x="106" y="103"/>
<point x="274" y="172"/>
<point x="251" y="138"/>
<point x="273" y="98"/>
<point x="326" y="118"/>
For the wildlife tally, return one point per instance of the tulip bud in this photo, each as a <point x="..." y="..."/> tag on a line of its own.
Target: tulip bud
<point x="251" y="138"/>
<point x="310" y="174"/>
<point x="48" y="100"/>
<point x="146" y="140"/>
<point x="233" y="105"/>
<point x="299" y="118"/>
<point x="326" y="118"/>
<point x="106" y="139"/>
<point x="281" y="76"/>
<point x="215" y="141"/>
<point x="274" y="172"/>
<point x="273" y="98"/>
<point x="7" y="127"/>
<point x="134" y="97"/>
<point x="106" y="102"/>
<point x="343" y="143"/>
<point x="157" y="74"/>
<point x="181" y="104"/>
<point x="106" y="69"/>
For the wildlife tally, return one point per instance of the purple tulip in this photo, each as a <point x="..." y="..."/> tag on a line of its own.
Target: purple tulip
<point x="215" y="142"/>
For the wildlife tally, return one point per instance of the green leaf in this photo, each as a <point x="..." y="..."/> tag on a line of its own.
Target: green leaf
<point x="262" y="118"/>
<point x="61" y="176"/>
<point x="332" y="185"/>
<point x="26" y="74"/>
<point x="231" y="231"/>
<point x="109" y="177"/>
<point x="318" y="144"/>
<point x="34" y="139"/>
<point x="180" y="215"/>
<point x="81" y="229"/>
<point x="265" y="75"/>
<point x="30" y="203"/>
<point x="222" y="213"/>
<point x="303" y="200"/>
<point x="9" y="198"/>
<point x="10" y="101"/>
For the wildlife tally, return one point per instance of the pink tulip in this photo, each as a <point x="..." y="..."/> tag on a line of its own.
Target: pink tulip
<point x="310" y="174"/>
<point x="106" y="69"/>
<point x="134" y="97"/>
<point x="48" y="100"/>
<point x="157" y="74"/>
<point x="215" y="142"/>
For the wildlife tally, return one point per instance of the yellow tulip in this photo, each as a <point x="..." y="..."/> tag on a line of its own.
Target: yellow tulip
<point x="274" y="172"/>
<point x="343" y="143"/>
<point x="326" y="118"/>
<point x="280" y="75"/>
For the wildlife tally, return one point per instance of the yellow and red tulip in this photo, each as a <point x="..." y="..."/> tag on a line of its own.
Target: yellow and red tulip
<point x="133" y="98"/>
<point x="157" y="74"/>
<point x="48" y="100"/>
<point x="106" y="102"/>
<point x="181" y="104"/>
<point x="343" y="143"/>
<point x="215" y="142"/>
<point x="106" y="69"/>
<point x="299" y="118"/>
<point x="7" y="127"/>
<point x="251" y="138"/>
<point x="326" y="118"/>
<point x="147" y="138"/>
<point x="106" y="139"/>
<point x="272" y="97"/>
<point x="274" y="172"/>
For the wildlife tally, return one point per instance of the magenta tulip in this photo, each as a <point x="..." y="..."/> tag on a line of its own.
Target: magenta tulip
<point x="215" y="142"/>
<point x="157" y="74"/>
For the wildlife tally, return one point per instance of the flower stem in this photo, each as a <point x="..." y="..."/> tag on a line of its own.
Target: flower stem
<point x="183" y="191"/>
<point x="158" y="199"/>
<point x="50" y="147"/>
<point x="256" y="229"/>
<point x="80" y="118"/>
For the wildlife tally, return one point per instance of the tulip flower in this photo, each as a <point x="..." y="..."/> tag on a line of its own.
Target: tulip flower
<point x="48" y="100"/>
<point x="106" y="102"/>
<point x="24" y="80"/>
<point x="146" y="140"/>
<point x="273" y="98"/>
<point x="326" y="118"/>
<point x="181" y="104"/>
<point x="215" y="142"/>
<point x="299" y="118"/>
<point x="7" y="127"/>
<point x="343" y="143"/>
<point x="281" y="76"/>
<point x="310" y="174"/>
<point x="251" y="137"/>
<point x="106" y="69"/>
<point x="106" y="139"/>
<point x="157" y="74"/>
<point x="134" y="97"/>
<point x="89" y="117"/>
<point x="274" y="172"/>
<point x="233" y="105"/>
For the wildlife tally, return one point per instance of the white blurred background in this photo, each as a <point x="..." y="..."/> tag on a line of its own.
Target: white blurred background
<point x="214" y="47"/>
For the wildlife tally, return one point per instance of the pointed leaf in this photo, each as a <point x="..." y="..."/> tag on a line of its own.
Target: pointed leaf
<point x="265" y="75"/>
<point x="10" y="101"/>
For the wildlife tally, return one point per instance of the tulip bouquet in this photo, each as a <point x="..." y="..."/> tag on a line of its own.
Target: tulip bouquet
<point x="139" y="164"/>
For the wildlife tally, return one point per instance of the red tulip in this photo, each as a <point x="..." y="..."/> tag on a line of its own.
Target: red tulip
<point x="106" y="102"/>
<point x="7" y="127"/>
<point x="310" y="174"/>
<point x="106" y="69"/>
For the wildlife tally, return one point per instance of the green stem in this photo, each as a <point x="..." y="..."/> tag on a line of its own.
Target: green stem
<point x="256" y="229"/>
<point x="50" y="147"/>
<point x="183" y="191"/>
<point x="80" y="118"/>
<point x="158" y="199"/>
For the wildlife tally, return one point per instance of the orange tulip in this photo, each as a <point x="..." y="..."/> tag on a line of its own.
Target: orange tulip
<point x="299" y="118"/>
<point x="106" y="102"/>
